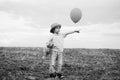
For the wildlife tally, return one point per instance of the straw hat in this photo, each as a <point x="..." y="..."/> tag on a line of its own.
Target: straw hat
<point x="53" y="26"/>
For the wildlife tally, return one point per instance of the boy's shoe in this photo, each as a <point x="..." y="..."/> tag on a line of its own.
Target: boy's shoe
<point x="53" y="75"/>
<point x="60" y="75"/>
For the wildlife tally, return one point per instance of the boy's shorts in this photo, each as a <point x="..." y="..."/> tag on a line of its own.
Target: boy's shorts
<point x="57" y="56"/>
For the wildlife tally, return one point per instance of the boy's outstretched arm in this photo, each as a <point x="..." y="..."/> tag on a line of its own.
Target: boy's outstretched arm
<point x="71" y="32"/>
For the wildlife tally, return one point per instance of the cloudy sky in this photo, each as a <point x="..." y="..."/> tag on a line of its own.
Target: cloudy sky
<point x="27" y="22"/>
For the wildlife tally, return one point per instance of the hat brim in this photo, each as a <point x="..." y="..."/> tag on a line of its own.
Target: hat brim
<point x="51" y="30"/>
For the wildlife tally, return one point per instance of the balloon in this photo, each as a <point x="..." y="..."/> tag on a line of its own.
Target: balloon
<point x="75" y="15"/>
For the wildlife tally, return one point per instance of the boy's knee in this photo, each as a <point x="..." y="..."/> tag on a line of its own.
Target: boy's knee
<point x="59" y="65"/>
<point x="53" y="64"/>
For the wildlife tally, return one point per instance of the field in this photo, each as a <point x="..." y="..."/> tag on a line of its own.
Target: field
<point x="20" y="63"/>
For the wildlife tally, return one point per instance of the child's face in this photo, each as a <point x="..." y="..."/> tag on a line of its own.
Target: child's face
<point x="57" y="29"/>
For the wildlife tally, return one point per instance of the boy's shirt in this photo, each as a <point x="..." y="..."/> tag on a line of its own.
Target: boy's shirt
<point x="58" y="41"/>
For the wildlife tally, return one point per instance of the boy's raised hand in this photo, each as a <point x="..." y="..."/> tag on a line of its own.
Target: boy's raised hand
<point x="78" y="31"/>
<point x="75" y="31"/>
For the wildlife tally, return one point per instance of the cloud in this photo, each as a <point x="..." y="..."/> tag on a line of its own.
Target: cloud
<point x="14" y="23"/>
<point x="45" y="12"/>
<point x="18" y="31"/>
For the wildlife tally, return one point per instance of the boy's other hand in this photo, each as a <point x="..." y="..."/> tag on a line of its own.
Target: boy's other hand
<point x="43" y="57"/>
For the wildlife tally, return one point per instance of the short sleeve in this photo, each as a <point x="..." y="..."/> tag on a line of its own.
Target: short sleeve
<point x="63" y="35"/>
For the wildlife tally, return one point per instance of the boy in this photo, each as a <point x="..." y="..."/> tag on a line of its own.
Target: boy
<point x="55" y="47"/>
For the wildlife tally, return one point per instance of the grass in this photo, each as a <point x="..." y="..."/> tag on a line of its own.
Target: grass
<point x="79" y="64"/>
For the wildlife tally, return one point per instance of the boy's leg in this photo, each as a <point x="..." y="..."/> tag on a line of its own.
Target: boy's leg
<point x="60" y="62"/>
<point x="52" y="63"/>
